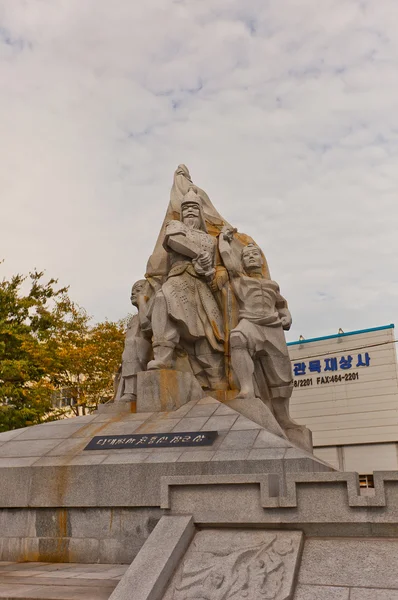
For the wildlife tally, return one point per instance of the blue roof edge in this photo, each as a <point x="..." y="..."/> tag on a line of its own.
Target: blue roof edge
<point x="340" y="335"/>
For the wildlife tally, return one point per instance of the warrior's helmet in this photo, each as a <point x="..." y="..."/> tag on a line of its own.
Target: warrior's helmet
<point x="191" y="197"/>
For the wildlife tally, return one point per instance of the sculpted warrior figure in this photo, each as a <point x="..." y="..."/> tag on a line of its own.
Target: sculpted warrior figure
<point x="185" y="311"/>
<point x="258" y="346"/>
<point x="203" y="279"/>
<point x="137" y="347"/>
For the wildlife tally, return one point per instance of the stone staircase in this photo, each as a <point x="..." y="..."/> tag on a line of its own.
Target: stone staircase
<point x="58" y="581"/>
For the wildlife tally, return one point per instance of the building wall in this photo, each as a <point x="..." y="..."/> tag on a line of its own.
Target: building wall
<point x="352" y="411"/>
<point x="362" y="458"/>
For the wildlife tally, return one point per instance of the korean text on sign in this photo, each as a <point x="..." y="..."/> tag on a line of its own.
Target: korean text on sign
<point x="331" y="364"/>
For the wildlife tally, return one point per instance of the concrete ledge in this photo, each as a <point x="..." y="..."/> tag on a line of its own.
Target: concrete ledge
<point x="271" y="486"/>
<point x="316" y="503"/>
<point x="151" y="570"/>
<point x="135" y="484"/>
<point x="354" y="498"/>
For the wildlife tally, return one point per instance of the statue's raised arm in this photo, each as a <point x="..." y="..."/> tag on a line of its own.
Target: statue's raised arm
<point x="228" y="257"/>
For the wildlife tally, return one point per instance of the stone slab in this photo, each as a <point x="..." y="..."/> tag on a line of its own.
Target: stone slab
<point x="265" y="439"/>
<point x="5" y="436"/>
<point x="202" y="455"/>
<point x="43" y="442"/>
<point x="320" y="502"/>
<point x="345" y="562"/>
<point x="29" y="448"/>
<point x="256" y="411"/>
<point x="150" y="572"/>
<point x="17" y="461"/>
<point x="321" y="592"/>
<point x="156" y="425"/>
<point x="190" y="424"/>
<point x="63" y="474"/>
<point x="373" y="594"/>
<point x="166" y="390"/>
<point x="46" y="431"/>
<point x="238" y="563"/>
<point x="219" y="422"/>
<point x="39" y="592"/>
<point x="201" y="410"/>
<point x="44" y="581"/>
<point x="111" y="428"/>
<point x="236" y="440"/>
<point x="242" y="424"/>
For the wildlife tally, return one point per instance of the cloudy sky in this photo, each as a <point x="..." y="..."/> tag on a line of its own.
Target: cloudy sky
<point x="286" y="113"/>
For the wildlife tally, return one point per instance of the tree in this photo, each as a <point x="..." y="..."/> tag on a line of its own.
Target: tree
<point x="89" y="358"/>
<point x="27" y="323"/>
<point x="47" y="344"/>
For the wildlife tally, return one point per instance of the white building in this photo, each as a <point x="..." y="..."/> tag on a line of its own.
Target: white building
<point x="346" y="392"/>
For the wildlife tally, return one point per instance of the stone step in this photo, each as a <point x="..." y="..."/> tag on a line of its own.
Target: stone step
<point x="58" y="581"/>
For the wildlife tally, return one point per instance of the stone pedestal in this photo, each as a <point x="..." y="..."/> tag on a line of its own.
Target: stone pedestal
<point x="255" y="410"/>
<point x="300" y="436"/>
<point x="248" y="516"/>
<point x="165" y="390"/>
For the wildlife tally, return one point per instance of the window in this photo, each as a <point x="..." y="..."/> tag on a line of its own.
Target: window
<point x="366" y="481"/>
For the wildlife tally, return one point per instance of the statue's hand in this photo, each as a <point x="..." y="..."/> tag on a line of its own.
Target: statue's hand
<point x="205" y="261"/>
<point x="196" y="265"/>
<point x="286" y="322"/>
<point x="228" y="233"/>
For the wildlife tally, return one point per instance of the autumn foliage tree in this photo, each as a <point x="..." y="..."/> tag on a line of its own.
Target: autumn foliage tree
<point x="47" y="345"/>
<point x="89" y="356"/>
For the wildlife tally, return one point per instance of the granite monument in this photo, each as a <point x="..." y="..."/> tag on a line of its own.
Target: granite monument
<point x="212" y="301"/>
<point x="195" y="476"/>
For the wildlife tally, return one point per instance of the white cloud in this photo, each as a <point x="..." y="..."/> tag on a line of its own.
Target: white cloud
<point x="284" y="112"/>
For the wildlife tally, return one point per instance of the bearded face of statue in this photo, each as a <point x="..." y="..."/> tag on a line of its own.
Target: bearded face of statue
<point x="252" y="259"/>
<point x="190" y="215"/>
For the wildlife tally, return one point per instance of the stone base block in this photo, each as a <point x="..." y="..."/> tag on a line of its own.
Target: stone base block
<point x="301" y="437"/>
<point x="238" y="563"/>
<point x="115" y="408"/>
<point x="216" y="564"/>
<point x="223" y="395"/>
<point x="166" y="390"/>
<point x="255" y="410"/>
<point x="148" y="575"/>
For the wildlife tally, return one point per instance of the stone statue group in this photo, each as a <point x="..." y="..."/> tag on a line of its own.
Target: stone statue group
<point x="208" y="305"/>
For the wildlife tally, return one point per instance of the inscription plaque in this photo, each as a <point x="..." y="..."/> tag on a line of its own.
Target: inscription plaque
<point x="152" y="440"/>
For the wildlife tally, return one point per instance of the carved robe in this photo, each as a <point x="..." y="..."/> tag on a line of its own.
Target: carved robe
<point x="189" y="298"/>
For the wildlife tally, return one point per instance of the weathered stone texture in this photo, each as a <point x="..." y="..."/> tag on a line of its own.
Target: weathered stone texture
<point x="373" y="594"/>
<point x="210" y="318"/>
<point x="63" y="474"/>
<point x="78" y="535"/>
<point x="355" y="563"/>
<point x="238" y="563"/>
<point x="149" y="574"/>
<point x="166" y="389"/>
<point x="38" y="581"/>
<point x="321" y="592"/>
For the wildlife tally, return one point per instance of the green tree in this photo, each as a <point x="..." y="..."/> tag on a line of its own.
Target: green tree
<point x="47" y="346"/>
<point x="27" y="325"/>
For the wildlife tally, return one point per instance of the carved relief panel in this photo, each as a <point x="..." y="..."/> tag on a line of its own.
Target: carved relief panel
<point x="238" y="565"/>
